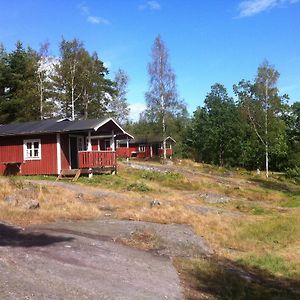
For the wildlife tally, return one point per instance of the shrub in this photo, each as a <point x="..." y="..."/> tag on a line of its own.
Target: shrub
<point x="293" y="173"/>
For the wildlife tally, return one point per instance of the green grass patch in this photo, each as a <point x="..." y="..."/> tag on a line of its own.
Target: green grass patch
<point x="169" y="179"/>
<point x="210" y="279"/>
<point x="275" y="231"/>
<point x="271" y="263"/>
<point x="251" y="209"/>
<point x="292" y="201"/>
<point x="138" y="187"/>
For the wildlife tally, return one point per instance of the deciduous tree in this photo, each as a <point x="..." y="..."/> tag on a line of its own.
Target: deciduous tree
<point x="162" y="97"/>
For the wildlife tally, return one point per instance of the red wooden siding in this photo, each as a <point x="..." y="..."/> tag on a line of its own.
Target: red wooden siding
<point x="123" y="152"/>
<point x="11" y="150"/>
<point x="97" y="159"/>
<point x="95" y="144"/>
<point x="134" y="151"/>
<point x="168" y="151"/>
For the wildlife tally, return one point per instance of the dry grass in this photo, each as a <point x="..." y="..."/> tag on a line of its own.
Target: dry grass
<point x="55" y="204"/>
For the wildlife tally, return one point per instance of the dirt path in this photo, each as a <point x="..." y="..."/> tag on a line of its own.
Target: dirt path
<point x="55" y="262"/>
<point x="188" y="172"/>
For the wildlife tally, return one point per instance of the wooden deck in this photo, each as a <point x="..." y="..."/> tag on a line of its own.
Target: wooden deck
<point x="97" y="160"/>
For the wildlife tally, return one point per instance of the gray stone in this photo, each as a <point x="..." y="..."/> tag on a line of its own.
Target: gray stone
<point x="27" y="192"/>
<point x="30" y="204"/>
<point x="79" y="196"/>
<point x="154" y="203"/>
<point x="11" y="200"/>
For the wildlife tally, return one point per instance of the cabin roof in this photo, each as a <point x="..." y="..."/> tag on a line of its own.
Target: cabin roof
<point x="57" y="126"/>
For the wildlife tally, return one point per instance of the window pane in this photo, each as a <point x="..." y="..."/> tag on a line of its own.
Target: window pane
<point x="29" y="144"/>
<point x="36" y="145"/>
<point x="36" y="153"/>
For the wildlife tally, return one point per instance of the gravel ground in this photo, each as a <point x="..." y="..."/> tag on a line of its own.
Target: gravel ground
<point x="77" y="260"/>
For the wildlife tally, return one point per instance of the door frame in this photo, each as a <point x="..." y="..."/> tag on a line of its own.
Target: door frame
<point x="77" y="136"/>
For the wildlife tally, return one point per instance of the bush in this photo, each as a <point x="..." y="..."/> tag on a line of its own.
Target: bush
<point x="138" y="187"/>
<point x="293" y="173"/>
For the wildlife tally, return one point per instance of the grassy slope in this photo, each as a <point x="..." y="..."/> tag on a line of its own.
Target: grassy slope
<point x="265" y="241"/>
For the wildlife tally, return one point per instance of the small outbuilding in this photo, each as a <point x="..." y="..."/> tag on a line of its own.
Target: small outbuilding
<point x="50" y="146"/>
<point x="142" y="147"/>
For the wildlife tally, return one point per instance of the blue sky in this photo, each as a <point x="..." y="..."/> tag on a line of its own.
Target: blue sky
<point x="208" y="41"/>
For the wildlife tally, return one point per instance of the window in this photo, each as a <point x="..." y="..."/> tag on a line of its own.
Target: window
<point x="107" y="145"/>
<point x="141" y="148"/>
<point x="32" y="149"/>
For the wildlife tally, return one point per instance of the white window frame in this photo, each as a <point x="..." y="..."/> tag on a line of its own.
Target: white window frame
<point x="25" y="152"/>
<point x="142" y="148"/>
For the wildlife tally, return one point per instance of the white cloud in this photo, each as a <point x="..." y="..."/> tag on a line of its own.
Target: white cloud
<point x="135" y="110"/>
<point x="97" y="20"/>
<point x="248" y="8"/>
<point x="151" y="5"/>
<point x="85" y="11"/>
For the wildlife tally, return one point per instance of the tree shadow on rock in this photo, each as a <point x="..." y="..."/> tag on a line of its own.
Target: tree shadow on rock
<point x="15" y="237"/>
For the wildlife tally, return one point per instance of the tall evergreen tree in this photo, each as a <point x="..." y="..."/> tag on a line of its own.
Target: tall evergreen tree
<point x="20" y="97"/>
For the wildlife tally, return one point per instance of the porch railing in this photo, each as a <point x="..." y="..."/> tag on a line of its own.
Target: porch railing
<point x="97" y="159"/>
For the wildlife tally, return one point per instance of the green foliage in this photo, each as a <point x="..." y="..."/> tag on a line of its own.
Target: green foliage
<point x="294" y="173"/>
<point x="34" y="85"/>
<point x="216" y="129"/>
<point x="138" y="187"/>
<point x="19" y="99"/>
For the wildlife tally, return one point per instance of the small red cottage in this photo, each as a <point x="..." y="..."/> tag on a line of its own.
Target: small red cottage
<point x="50" y="146"/>
<point x="144" y="147"/>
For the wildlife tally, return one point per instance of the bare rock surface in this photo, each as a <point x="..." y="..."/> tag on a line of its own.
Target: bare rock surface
<point x="74" y="260"/>
<point x="173" y="239"/>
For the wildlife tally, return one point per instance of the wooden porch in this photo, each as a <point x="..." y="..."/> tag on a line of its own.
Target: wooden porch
<point x="97" y="160"/>
<point x="91" y="162"/>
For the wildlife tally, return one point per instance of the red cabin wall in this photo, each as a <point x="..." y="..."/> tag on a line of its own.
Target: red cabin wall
<point x="11" y="150"/>
<point x="127" y="152"/>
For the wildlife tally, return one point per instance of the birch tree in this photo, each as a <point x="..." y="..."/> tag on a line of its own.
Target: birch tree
<point x="45" y="72"/>
<point x="262" y="105"/>
<point x="162" y="97"/>
<point x="68" y="75"/>
<point x="118" y="106"/>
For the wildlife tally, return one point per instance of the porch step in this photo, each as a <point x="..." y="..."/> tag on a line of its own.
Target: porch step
<point x="75" y="173"/>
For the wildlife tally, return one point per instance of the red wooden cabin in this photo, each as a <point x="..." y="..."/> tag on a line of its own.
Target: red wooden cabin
<point x="144" y="147"/>
<point x="49" y="146"/>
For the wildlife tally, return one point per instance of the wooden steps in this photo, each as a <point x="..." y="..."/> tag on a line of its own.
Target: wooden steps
<point x="67" y="173"/>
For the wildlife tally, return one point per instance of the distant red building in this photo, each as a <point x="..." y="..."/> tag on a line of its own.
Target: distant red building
<point x="144" y="147"/>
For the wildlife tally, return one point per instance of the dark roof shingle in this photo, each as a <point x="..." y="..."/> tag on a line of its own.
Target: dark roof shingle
<point x="49" y="126"/>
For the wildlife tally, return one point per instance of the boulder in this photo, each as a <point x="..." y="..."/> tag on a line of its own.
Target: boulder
<point x="30" y="204"/>
<point x="11" y="200"/>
